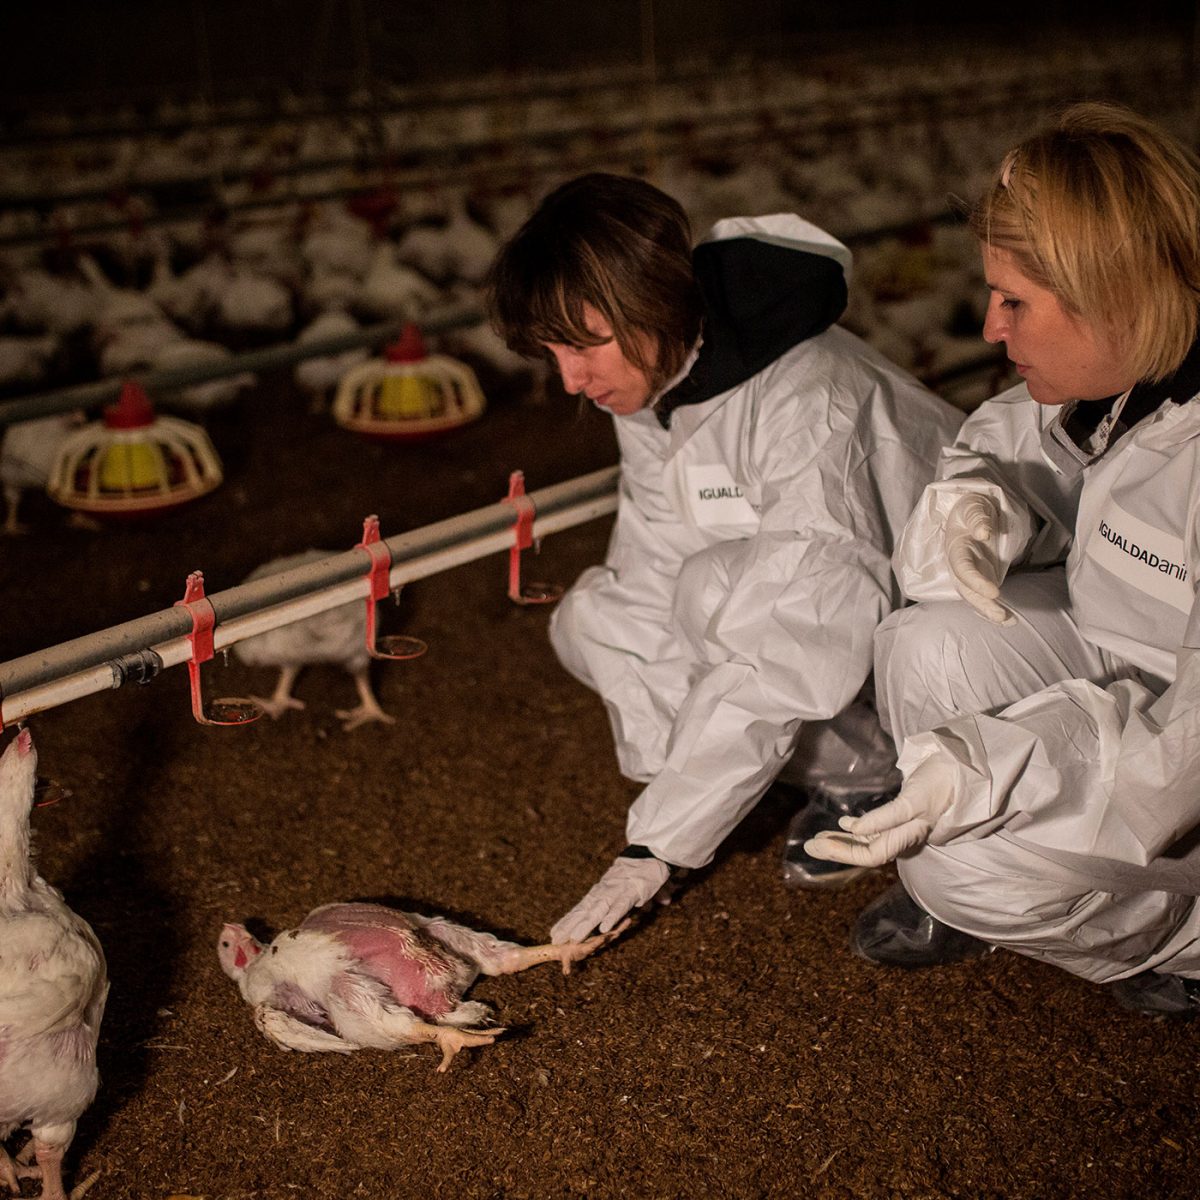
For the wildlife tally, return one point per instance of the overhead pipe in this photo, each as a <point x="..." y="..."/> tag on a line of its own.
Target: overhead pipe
<point x="137" y="650"/>
<point x="91" y="395"/>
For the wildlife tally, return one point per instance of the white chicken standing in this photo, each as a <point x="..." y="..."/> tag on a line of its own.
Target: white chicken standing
<point x="39" y="300"/>
<point x="254" y="302"/>
<point x="53" y="985"/>
<point x="117" y="307"/>
<point x="191" y="297"/>
<point x="337" y="241"/>
<point x="357" y="976"/>
<point x="319" y="376"/>
<point x="28" y="451"/>
<point x="24" y="360"/>
<point x="338" y="636"/>
<point x="202" y="398"/>
<point x="129" y="329"/>
<point x="392" y="290"/>
<point x="461" y="249"/>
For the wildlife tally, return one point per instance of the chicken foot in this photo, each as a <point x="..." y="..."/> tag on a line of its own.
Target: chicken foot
<point x="281" y="699"/>
<point x="520" y="958"/>
<point x="368" y="708"/>
<point x="8" y="1173"/>
<point x="35" y="1160"/>
<point x="41" y="1160"/>
<point x="450" y="1039"/>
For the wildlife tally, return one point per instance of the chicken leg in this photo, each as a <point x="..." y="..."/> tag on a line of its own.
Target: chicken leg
<point x="495" y="956"/>
<point x="450" y="1039"/>
<point x="565" y="953"/>
<point x="368" y="707"/>
<point x="281" y="698"/>
<point x="36" y="1160"/>
<point x="12" y="500"/>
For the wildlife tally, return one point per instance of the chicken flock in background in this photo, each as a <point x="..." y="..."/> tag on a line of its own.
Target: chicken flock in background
<point x="53" y="985"/>
<point x="358" y="976"/>
<point x="281" y="251"/>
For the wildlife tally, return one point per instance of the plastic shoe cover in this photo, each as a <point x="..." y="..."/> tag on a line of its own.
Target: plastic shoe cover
<point x="1158" y="995"/>
<point x="821" y="812"/>
<point x="895" y="931"/>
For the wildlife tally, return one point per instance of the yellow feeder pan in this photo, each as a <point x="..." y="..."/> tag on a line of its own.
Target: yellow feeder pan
<point x="133" y="462"/>
<point x="408" y="394"/>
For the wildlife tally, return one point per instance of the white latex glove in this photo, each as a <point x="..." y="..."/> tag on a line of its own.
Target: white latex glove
<point x="970" y="527"/>
<point x="887" y="831"/>
<point x="627" y="884"/>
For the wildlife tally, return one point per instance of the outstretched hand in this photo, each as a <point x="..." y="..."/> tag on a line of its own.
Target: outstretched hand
<point x="886" y="832"/>
<point x="627" y="884"/>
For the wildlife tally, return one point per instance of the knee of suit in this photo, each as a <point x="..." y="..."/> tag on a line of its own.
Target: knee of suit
<point x="934" y="661"/>
<point x="569" y="630"/>
<point x="985" y="889"/>
<point x="962" y="895"/>
<point x="702" y="587"/>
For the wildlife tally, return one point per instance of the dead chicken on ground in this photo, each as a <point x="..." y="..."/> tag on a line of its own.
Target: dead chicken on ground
<point x="363" y="975"/>
<point x="53" y="985"/>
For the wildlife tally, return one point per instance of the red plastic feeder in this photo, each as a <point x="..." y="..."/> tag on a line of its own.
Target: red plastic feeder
<point x="134" y="462"/>
<point x="408" y="394"/>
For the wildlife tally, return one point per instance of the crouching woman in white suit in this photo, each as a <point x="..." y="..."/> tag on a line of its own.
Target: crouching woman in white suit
<point x="769" y="461"/>
<point x="1049" y="715"/>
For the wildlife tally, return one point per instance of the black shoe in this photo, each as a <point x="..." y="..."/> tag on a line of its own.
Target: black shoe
<point x="1158" y="995"/>
<point x="822" y="812"/>
<point x="895" y="931"/>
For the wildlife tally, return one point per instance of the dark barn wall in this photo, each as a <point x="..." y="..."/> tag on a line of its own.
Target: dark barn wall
<point x="65" y="51"/>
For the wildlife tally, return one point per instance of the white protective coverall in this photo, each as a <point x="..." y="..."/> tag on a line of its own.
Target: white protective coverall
<point x="1074" y="831"/>
<point x="749" y="564"/>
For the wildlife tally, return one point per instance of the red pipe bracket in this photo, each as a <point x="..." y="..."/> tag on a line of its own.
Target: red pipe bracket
<point x="203" y="615"/>
<point x="204" y="619"/>
<point x="533" y="593"/>
<point x="378" y="576"/>
<point x="380" y="556"/>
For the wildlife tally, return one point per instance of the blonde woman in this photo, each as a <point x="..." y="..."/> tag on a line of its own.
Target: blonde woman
<point x="1046" y="689"/>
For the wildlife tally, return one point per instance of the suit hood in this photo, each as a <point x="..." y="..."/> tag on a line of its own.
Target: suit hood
<point x="768" y="284"/>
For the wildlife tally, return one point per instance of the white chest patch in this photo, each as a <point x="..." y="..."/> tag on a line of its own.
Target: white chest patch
<point x="714" y="499"/>
<point x="1149" y="559"/>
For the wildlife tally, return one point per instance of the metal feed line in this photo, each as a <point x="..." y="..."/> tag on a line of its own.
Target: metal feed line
<point x="138" y="650"/>
<point x="90" y="395"/>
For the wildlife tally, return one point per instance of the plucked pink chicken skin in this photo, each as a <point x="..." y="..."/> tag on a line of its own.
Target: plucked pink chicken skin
<point x="53" y="985"/>
<point x="354" y="976"/>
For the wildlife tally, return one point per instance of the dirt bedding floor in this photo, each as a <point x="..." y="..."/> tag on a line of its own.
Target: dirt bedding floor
<point x="731" y="1046"/>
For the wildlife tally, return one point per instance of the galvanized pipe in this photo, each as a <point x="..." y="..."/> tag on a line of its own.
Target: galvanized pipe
<point x="91" y="395"/>
<point x="104" y="660"/>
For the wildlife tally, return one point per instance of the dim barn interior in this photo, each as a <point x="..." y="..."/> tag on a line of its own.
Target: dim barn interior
<point x="244" y="252"/>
